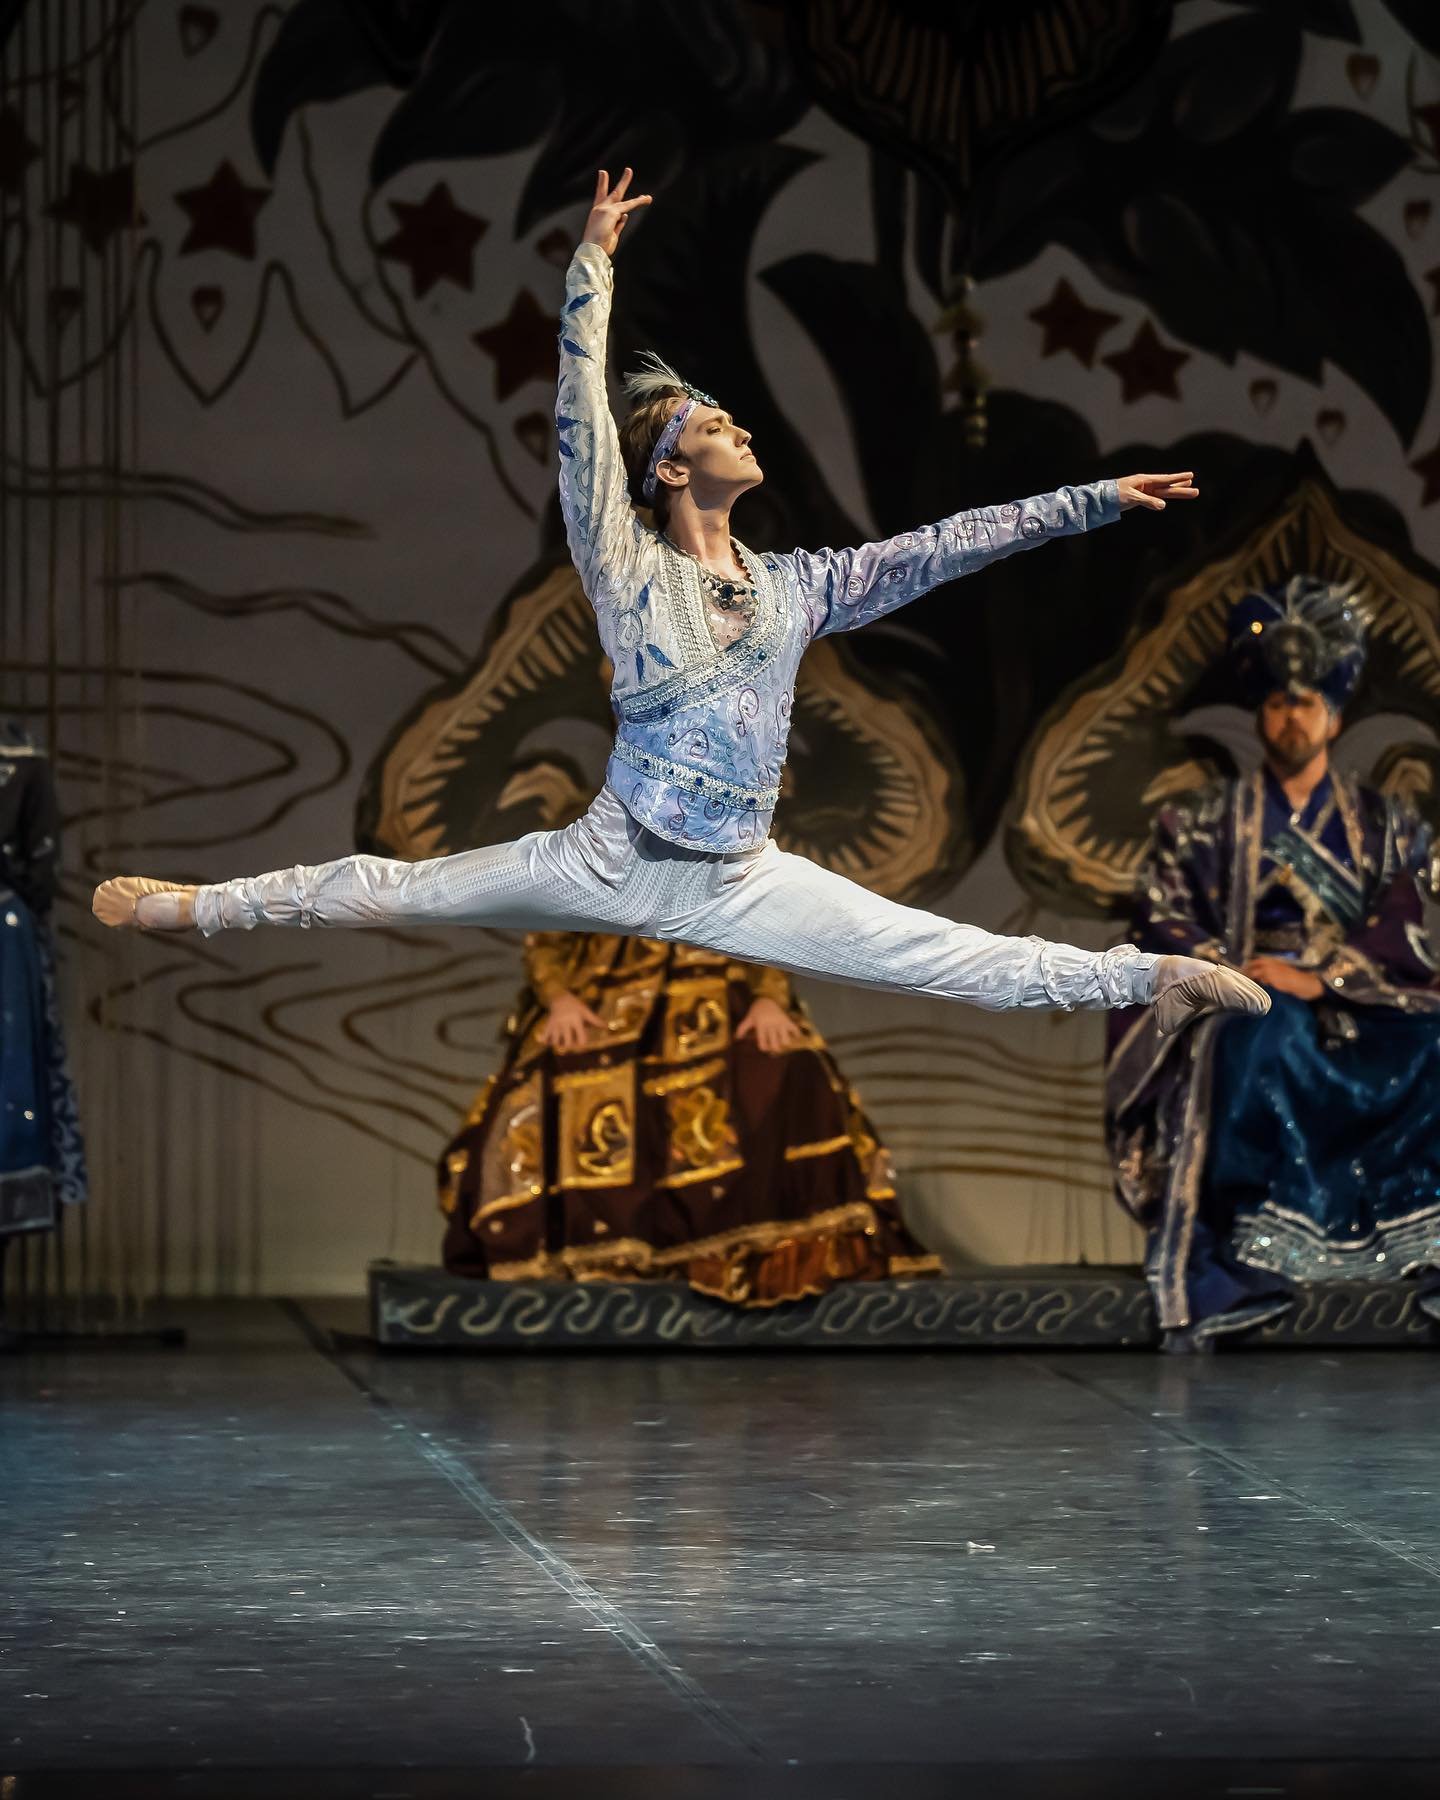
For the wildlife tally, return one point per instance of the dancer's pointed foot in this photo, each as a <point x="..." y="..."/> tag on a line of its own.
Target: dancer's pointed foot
<point x="1186" y="988"/>
<point x="136" y="900"/>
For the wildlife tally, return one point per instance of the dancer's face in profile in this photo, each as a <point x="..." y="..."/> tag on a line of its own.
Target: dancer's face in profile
<point x="715" y="457"/>
<point x="1295" y="728"/>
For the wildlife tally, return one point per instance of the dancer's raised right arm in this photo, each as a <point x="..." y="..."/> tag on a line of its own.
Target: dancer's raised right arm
<point x="600" y="523"/>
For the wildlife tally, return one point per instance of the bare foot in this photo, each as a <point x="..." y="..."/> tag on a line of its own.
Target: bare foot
<point x="139" y="902"/>
<point x="1187" y="988"/>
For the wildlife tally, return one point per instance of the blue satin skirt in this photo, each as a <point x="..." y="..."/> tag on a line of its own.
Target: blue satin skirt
<point x="42" y="1156"/>
<point x="1324" y="1158"/>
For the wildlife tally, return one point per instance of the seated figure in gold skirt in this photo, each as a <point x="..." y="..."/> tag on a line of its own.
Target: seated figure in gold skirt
<point x="663" y="1112"/>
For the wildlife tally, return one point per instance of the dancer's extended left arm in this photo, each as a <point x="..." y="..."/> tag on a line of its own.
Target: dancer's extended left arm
<point x="844" y="589"/>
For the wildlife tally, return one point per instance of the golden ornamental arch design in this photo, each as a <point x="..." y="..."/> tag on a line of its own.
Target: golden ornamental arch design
<point x="1116" y="746"/>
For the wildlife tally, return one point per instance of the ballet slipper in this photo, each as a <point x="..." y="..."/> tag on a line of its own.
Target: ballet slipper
<point x="172" y="911"/>
<point x="1187" y="988"/>
<point x="138" y="902"/>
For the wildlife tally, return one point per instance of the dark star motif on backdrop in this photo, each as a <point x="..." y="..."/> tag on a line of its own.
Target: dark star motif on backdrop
<point x="436" y="240"/>
<point x="1147" y="367"/>
<point x="222" y="214"/>
<point x="523" y="345"/>
<point x="1427" y="467"/>
<point x="99" y="205"/>
<point x="17" y="151"/>
<point x="1069" y="324"/>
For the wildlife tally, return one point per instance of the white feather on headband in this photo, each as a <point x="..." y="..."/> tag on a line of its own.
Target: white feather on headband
<point x="655" y="377"/>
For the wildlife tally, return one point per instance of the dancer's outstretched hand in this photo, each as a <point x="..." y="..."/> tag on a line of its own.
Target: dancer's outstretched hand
<point x="1155" y="490"/>
<point x="611" y="211"/>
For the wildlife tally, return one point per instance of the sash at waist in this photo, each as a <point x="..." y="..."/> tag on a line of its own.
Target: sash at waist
<point x="693" y="781"/>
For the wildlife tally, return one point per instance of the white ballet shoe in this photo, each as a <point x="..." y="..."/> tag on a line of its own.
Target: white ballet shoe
<point x="138" y="902"/>
<point x="1187" y="988"/>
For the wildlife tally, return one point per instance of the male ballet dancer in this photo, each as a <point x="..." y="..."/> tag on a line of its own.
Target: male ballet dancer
<point x="705" y="637"/>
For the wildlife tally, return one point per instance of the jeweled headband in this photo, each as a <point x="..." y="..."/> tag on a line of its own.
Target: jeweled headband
<point x="653" y="378"/>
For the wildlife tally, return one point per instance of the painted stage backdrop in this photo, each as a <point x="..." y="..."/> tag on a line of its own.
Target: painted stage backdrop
<point x="930" y="257"/>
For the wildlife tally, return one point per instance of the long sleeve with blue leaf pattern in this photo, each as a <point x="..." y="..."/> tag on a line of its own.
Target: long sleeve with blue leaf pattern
<point x="844" y="589"/>
<point x="600" y="523"/>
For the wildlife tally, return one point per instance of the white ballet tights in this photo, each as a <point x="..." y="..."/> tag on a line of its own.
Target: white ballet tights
<point x="607" y="873"/>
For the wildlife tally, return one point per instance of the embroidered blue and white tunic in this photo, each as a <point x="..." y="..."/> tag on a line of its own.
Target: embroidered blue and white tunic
<point x="702" y="727"/>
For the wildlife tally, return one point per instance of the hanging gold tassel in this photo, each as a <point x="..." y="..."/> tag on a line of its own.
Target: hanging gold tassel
<point x="967" y="379"/>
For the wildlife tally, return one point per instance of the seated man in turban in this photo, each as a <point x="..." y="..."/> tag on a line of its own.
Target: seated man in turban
<point x="1302" y="1145"/>
<point x="663" y="1111"/>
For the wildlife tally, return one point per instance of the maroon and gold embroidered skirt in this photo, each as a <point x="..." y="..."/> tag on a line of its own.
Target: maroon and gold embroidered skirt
<point x="668" y="1148"/>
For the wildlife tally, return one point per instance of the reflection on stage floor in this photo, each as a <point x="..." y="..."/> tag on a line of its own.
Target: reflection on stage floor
<point x="1003" y="1574"/>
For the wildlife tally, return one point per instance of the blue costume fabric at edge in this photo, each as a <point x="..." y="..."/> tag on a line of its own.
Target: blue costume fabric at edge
<point x="42" y="1158"/>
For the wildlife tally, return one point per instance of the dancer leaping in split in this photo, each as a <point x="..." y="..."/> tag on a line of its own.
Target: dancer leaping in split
<point x="705" y="637"/>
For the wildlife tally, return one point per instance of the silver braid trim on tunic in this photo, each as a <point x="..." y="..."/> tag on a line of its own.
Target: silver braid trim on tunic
<point x="692" y="781"/>
<point x="710" y="671"/>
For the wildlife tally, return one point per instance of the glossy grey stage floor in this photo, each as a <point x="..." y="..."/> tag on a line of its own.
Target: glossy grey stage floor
<point x="1080" y="1574"/>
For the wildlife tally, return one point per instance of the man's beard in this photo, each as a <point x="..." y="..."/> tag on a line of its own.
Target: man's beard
<point x="1291" y="750"/>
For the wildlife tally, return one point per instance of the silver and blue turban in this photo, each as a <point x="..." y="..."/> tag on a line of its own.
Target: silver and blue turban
<point x="1300" y="634"/>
